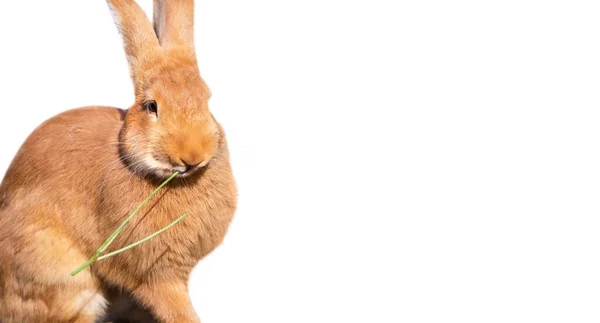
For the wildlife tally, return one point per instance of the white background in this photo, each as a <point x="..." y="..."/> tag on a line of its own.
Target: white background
<point x="398" y="161"/>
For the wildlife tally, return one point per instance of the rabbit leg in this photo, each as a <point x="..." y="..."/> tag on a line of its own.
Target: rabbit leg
<point x="36" y="282"/>
<point x="169" y="301"/>
<point x="79" y="305"/>
<point x="27" y="299"/>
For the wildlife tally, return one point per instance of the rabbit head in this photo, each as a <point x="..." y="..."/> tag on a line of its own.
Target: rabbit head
<point x="169" y="127"/>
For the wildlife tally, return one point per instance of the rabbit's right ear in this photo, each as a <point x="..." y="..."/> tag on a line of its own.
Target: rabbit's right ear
<point x="141" y="44"/>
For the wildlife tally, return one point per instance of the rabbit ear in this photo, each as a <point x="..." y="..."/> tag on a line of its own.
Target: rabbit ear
<point x="141" y="45"/>
<point x="174" y="23"/>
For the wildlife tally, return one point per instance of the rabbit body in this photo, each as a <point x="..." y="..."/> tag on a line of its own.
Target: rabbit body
<point x="81" y="173"/>
<point x="53" y="217"/>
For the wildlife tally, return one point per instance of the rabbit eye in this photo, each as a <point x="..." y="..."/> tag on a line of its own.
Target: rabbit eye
<point x="151" y="107"/>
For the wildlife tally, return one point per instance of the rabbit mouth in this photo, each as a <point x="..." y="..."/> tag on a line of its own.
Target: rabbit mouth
<point x="162" y="169"/>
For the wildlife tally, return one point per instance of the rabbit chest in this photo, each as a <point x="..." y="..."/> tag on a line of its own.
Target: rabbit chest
<point x="209" y="199"/>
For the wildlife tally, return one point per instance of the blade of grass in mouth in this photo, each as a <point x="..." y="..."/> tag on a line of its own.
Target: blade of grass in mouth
<point x="114" y="235"/>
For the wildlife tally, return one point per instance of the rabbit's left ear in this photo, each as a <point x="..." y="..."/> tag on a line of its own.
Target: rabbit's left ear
<point x="141" y="44"/>
<point x="174" y="24"/>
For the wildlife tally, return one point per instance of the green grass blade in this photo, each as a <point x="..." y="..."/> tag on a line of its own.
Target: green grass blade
<point x="116" y="252"/>
<point x="114" y="235"/>
<point x="120" y="228"/>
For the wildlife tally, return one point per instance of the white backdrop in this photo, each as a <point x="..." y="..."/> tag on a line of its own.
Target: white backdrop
<point x="398" y="161"/>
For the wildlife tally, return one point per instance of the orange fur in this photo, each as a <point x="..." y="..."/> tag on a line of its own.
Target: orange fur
<point x="82" y="172"/>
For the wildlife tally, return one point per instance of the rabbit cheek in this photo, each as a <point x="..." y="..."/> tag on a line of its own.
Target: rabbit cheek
<point x="135" y="143"/>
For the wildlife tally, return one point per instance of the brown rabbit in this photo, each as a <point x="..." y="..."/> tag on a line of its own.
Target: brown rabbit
<point x="79" y="175"/>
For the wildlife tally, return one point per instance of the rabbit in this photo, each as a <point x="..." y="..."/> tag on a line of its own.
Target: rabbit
<point x="81" y="173"/>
